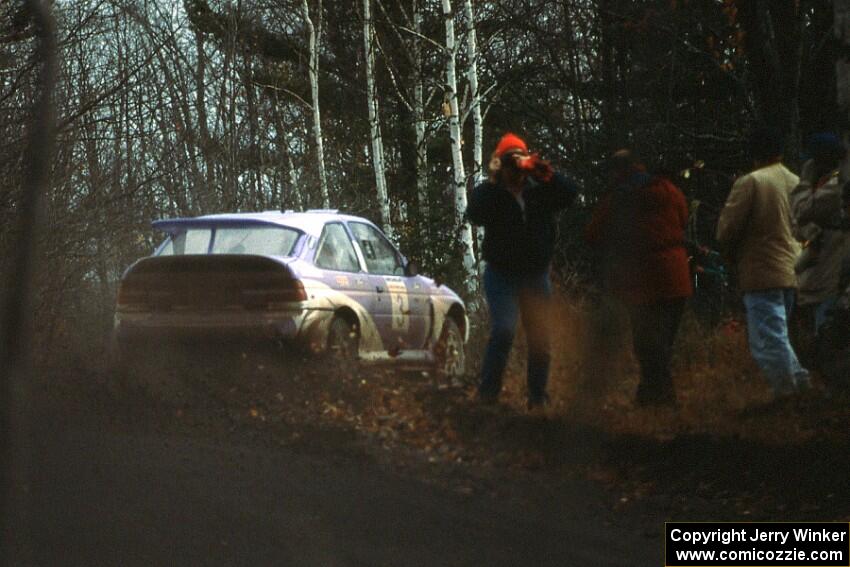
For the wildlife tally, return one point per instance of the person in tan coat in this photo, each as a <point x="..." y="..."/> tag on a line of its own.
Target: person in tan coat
<point x="755" y="232"/>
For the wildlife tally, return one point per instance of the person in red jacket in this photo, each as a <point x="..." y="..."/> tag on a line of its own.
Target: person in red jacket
<point x="638" y="231"/>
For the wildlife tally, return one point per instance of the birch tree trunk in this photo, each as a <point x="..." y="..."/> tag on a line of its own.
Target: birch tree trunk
<point x="475" y="94"/>
<point x="314" y="38"/>
<point x="374" y="125"/>
<point x="465" y="229"/>
<point x="419" y="115"/>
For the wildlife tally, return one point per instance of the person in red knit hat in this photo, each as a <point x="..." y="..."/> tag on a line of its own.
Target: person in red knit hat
<point x="517" y="208"/>
<point x="638" y="231"/>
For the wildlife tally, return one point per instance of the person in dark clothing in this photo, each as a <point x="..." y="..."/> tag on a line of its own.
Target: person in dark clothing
<point x="638" y="230"/>
<point x="517" y="208"/>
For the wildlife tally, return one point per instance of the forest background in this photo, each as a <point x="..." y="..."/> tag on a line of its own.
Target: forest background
<point x="381" y="108"/>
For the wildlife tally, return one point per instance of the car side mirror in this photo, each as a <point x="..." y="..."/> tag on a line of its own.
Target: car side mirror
<point x="411" y="269"/>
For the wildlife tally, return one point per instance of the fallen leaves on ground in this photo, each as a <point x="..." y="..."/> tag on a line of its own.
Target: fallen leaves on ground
<point x="724" y="448"/>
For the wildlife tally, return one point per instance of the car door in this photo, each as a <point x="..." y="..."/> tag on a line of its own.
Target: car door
<point x="402" y="308"/>
<point x="341" y="270"/>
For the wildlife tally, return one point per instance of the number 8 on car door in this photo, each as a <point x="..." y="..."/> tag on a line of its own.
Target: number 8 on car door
<point x="399" y="318"/>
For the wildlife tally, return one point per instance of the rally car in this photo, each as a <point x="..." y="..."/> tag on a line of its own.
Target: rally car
<point x="320" y="280"/>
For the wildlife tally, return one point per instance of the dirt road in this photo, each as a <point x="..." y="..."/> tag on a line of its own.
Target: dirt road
<point x="238" y="467"/>
<point x="148" y="497"/>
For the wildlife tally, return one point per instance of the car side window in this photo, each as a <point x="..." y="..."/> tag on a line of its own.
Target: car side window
<point x="381" y="256"/>
<point x="335" y="250"/>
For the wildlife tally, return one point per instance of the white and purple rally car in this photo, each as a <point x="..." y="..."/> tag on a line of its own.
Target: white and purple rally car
<point x="324" y="281"/>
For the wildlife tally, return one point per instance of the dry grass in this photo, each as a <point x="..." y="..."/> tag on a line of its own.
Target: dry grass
<point x="719" y="389"/>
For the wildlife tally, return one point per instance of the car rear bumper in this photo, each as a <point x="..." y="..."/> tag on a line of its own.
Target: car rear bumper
<point x="209" y="326"/>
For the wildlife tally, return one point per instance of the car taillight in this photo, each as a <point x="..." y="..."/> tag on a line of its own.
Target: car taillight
<point x="132" y="298"/>
<point x="277" y="297"/>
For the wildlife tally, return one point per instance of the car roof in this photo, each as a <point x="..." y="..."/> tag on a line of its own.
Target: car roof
<point x="309" y="222"/>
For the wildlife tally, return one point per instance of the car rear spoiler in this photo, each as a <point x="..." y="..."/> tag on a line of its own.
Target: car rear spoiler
<point x="173" y="226"/>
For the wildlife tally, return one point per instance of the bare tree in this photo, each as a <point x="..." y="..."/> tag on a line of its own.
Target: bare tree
<point x="411" y="39"/>
<point x="374" y="119"/>
<point x="474" y="91"/>
<point x="842" y="65"/>
<point x="314" y="36"/>
<point x="419" y="114"/>
<point x="475" y="103"/>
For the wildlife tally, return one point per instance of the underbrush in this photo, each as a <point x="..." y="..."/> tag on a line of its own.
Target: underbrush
<point x="594" y="376"/>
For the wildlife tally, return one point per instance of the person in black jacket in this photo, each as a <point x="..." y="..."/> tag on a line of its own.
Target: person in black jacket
<point x="517" y="208"/>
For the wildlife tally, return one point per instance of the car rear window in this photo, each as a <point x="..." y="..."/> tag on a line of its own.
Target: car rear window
<point x="263" y="240"/>
<point x="192" y="241"/>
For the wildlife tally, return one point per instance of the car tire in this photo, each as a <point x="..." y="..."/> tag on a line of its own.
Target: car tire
<point x="343" y="340"/>
<point x="449" y="354"/>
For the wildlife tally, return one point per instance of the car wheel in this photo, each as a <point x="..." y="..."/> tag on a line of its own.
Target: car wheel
<point x="343" y="340"/>
<point x="449" y="351"/>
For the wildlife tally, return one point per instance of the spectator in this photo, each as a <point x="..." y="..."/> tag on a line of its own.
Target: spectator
<point x="832" y="347"/>
<point x="755" y="232"/>
<point x="816" y="205"/>
<point x="517" y="208"/>
<point x="638" y="230"/>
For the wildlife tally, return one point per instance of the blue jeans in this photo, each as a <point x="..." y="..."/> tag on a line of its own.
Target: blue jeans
<point x="510" y="296"/>
<point x="768" y="312"/>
